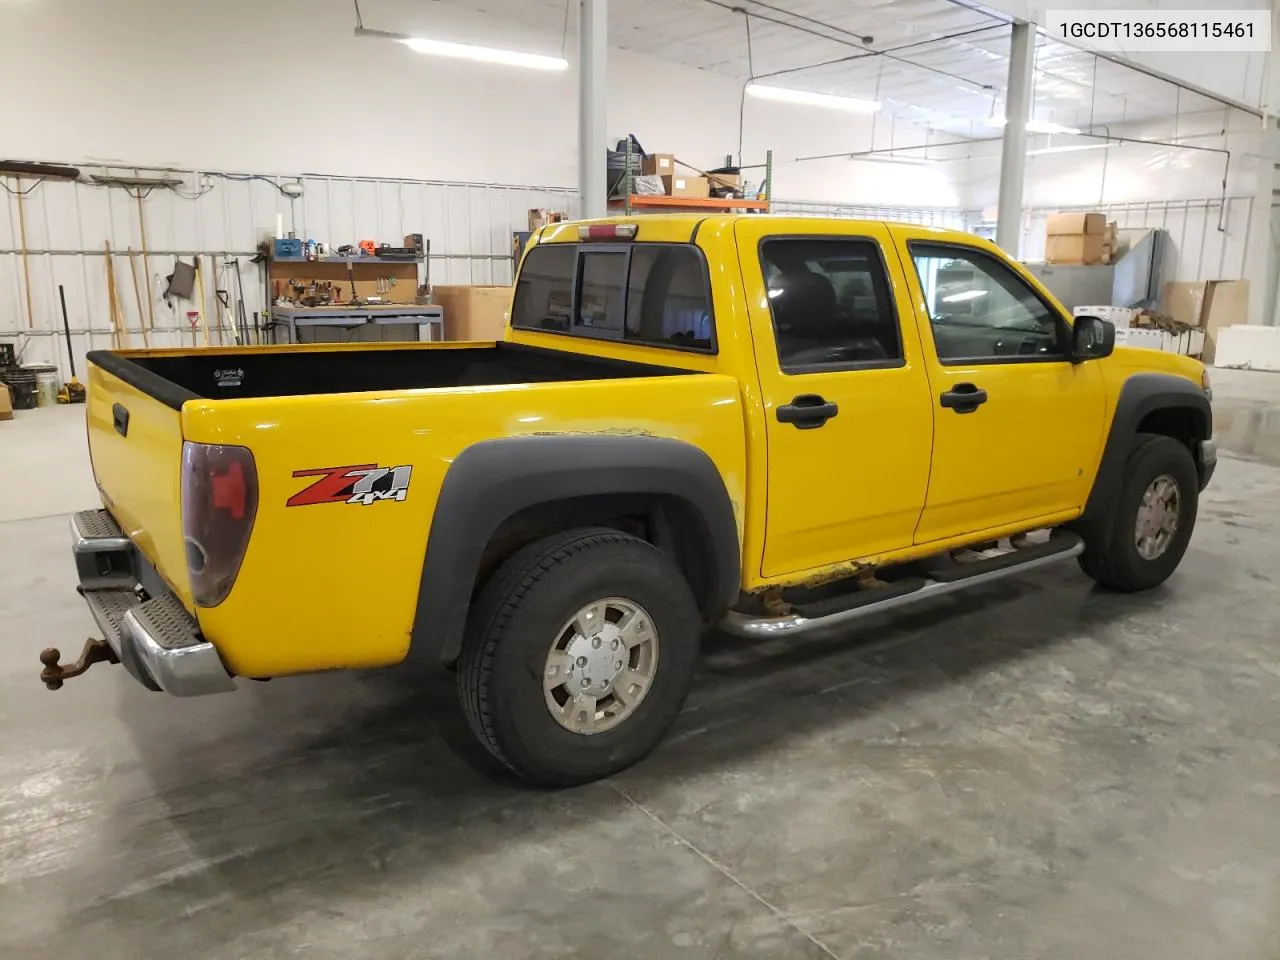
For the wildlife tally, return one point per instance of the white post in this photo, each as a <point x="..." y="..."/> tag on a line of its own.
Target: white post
<point x="1013" y="155"/>
<point x="593" y="102"/>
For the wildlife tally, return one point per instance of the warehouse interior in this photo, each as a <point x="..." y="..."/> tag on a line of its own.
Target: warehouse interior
<point x="1035" y="767"/>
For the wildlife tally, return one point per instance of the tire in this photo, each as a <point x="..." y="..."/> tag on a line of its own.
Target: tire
<point x="1112" y="556"/>
<point x="526" y="609"/>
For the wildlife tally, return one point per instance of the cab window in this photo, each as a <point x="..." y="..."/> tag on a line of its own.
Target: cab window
<point x="830" y="302"/>
<point x="981" y="310"/>
<point x="651" y="293"/>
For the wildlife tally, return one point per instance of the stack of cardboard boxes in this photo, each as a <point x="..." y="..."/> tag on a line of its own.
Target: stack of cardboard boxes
<point x="663" y="169"/>
<point x="1188" y="321"/>
<point x="1079" y="239"/>
<point x="674" y="182"/>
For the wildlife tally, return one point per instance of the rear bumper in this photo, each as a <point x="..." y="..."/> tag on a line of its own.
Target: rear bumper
<point x="1207" y="461"/>
<point x="157" y="641"/>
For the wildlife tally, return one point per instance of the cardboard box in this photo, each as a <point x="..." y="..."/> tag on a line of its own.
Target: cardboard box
<point x="1184" y="302"/>
<point x="1189" y="344"/>
<point x="663" y="164"/>
<point x="1122" y="318"/>
<point x="725" y="181"/>
<point x="1226" y="304"/>
<point x="1078" y="249"/>
<point x="541" y="216"/>
<point x="6" y="403"/>
<point x="1072" y="224"/>
<point x="1142" y="337"/>
<point x="473" y="313"/>
<point x="696" y="187"/>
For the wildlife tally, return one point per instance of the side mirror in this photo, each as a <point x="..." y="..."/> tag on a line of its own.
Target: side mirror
<point x="1092" y="338"/>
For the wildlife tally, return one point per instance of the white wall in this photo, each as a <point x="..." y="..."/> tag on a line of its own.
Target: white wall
<point x="396" y="141"/>
<point x="283" y="87"/>
<point x="1130" y="172"/>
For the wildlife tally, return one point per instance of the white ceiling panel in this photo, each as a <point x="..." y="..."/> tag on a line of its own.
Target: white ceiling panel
<point x="936" y="63"/>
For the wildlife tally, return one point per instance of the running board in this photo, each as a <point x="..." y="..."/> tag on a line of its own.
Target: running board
<point x="1062" y="546"/>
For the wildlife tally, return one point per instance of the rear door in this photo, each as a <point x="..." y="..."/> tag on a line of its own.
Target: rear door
<point x="849" y="421"/>
<point x="135" y="442"/>
<point x="1018" y="427"/>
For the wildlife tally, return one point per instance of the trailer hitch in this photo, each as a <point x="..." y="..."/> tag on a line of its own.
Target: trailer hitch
<point x="95" y="651"/>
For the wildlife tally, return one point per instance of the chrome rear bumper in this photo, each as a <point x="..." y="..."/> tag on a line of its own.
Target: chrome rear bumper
<point x="157" y="641"/>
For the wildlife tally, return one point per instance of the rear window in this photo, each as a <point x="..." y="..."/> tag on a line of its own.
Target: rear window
<point x="653" y="293"/>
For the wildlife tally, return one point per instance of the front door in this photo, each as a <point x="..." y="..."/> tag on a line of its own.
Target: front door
<point x="1017" y="426"/>
<point x="849" y="419"/>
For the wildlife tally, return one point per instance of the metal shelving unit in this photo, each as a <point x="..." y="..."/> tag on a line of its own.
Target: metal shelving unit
<point x="631" y="202"/>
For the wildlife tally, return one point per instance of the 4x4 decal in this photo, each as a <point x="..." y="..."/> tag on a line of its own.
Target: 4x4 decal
<point x="363" y="483"/>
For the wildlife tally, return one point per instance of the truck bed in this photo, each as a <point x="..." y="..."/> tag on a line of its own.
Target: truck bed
<point x="176" y="378"/>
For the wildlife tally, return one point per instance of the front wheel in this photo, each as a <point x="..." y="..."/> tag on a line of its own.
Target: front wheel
<point x="578" y="656"/>
<point x="1152" y="519"/>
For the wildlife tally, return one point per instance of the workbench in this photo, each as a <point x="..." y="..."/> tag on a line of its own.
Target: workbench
<point x="427" y="317"/>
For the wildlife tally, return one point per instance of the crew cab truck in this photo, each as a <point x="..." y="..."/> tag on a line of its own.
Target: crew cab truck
<point x="768" y="425"/>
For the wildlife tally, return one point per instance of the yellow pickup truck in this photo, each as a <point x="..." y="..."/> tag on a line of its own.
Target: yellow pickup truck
<point x="769" y="426"/>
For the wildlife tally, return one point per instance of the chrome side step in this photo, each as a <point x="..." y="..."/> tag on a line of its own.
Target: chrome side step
<point x="1063" y="546"/>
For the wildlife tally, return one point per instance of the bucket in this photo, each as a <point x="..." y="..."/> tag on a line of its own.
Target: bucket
<point x="46" y="375"/>
<point x="22" y="384"/>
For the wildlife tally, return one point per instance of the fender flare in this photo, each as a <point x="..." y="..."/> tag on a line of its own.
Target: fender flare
<point x="1141" y="395"/>
<point x="494" y="480"/>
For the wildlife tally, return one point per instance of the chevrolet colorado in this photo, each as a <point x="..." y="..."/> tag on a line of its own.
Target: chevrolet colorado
<point x="765" y="425"/>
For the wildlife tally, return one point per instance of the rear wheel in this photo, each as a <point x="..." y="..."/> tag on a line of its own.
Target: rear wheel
<point x="1152" y="519"/>
<point x="578" y="656"/>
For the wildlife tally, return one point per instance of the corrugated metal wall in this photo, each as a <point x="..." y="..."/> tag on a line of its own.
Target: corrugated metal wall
<point x="469" y="227"/>
<point x="1210" y="238"/>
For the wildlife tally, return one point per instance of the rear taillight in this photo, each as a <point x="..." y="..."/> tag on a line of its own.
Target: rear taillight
<point x="219" y="501"/>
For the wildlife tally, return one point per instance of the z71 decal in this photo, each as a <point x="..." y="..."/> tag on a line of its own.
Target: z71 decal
<point x="363" y="483"/>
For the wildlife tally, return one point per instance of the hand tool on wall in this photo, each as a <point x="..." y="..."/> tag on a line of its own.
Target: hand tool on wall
<point x="22" y="239"/>
<point x="119" y="336"/>
<point x="137" y="295"/>
<point x="204" y="296"/>
<point x="197" y="296"/>
<point x="242" y="317"/>
<point x="146" y="268"/>
<point x="73" y="389"/>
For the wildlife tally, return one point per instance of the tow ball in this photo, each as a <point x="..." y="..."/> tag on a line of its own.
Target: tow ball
<point x="95" y="651"/>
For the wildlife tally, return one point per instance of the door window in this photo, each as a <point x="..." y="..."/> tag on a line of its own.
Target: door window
<point x="981" y="310"/>
<point x="830" y="303"/>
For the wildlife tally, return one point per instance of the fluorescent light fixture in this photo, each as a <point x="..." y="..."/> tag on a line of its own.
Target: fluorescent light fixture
<point x="1074" y="148"/>
<point x="1034" y="126"/>
<point x="966" y="295"/>
<point x="907" y="161"/>
<point x="465" y="51"/>
<point x="787" y="95"/>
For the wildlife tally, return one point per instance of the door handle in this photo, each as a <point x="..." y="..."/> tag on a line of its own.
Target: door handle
<point x="807" y="412"/>
<point x="120" y="419"/>
<point x="963" y="398"/>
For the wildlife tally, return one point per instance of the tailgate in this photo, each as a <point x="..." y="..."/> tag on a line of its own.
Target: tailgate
<point x="135" y="441"/>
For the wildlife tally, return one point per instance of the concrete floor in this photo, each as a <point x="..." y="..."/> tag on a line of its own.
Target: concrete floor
<point x="1037" y="770"/>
